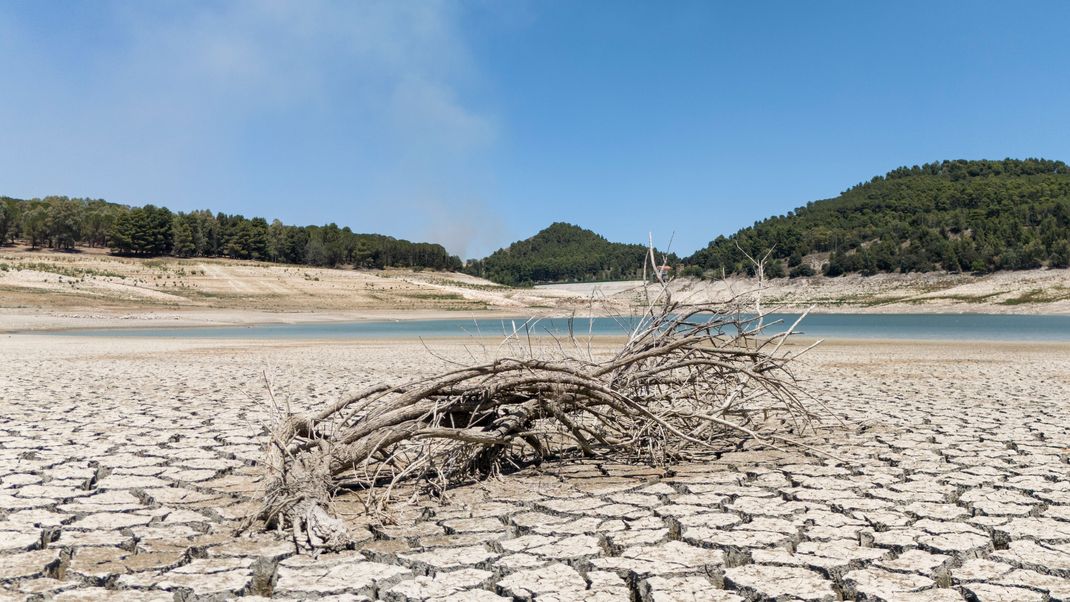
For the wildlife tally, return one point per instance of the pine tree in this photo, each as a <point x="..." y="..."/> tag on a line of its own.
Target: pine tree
<point x="183" y="238"/>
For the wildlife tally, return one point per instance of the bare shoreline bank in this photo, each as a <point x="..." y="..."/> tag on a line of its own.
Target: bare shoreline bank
<point x="49" y="291"/>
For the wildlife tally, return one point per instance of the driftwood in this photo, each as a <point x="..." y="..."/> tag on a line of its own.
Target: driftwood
<point x="689" y="379"/>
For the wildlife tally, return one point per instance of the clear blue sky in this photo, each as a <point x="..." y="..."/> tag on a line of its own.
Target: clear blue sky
<point x="478" y="123"/>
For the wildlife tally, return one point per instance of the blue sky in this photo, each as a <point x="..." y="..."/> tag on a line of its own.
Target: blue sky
<point x="477" y="123"/>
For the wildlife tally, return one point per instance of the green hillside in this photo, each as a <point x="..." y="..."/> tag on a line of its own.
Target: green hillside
<point x="957" y="216"/>
<point x="562" y="253"/>
<point x="63" y="223"/>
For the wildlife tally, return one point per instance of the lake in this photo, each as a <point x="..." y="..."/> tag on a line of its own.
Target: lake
<point x="950" y="327"/>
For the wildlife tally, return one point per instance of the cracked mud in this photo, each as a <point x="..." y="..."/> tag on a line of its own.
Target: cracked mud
<point x="125" y="467"/>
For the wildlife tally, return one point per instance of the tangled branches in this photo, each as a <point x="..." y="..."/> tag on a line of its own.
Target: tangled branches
<point x="690" y="379"/>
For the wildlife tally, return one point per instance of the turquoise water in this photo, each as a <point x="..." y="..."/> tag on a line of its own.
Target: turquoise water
<point x="977" y="327"/>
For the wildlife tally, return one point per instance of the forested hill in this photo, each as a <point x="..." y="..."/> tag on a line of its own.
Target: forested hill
<point x="975" y="216"/>
<point x="62" y="223"/>
<point x="957" y="216"/>
<point x="562" y="253"/>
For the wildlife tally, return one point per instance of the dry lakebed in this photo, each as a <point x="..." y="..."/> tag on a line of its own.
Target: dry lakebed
<point x="127" y="463"/>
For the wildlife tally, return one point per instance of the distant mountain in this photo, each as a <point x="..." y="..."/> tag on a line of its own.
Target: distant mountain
<point x="956" y="216"/>
<point x="562" y="253"/>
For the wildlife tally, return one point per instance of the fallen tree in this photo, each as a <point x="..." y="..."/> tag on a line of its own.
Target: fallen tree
<point x="690" y="379"/>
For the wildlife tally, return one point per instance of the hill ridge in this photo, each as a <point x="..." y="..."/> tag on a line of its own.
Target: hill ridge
<point x="562" y="252"/>
<point x="953" y="215"/>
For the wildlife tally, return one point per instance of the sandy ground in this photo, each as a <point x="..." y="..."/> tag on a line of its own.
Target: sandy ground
<point x="126" y="464"/>
<point x="45" y="290"/>
<point x="41" y="290"/>
<point x="1027" y="292"/>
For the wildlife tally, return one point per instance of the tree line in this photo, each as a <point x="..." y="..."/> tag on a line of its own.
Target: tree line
<point x="956" y="216"/>
<point x="63" y="223"/>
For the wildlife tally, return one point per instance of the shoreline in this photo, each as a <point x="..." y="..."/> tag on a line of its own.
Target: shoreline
<point x="11" y="321"/>
<point x="49" y="290"/>
<point x="800" y="341"/>
<point x="152" y="445"/>
<point x="220" y="318"/>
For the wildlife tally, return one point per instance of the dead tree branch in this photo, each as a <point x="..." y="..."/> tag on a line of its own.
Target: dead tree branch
<point x="689" y="378"/>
